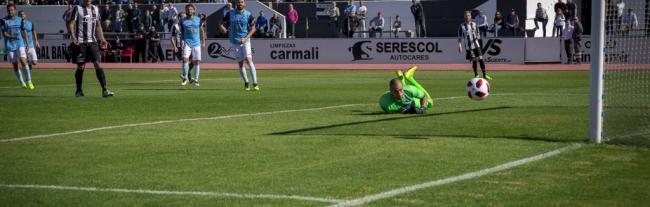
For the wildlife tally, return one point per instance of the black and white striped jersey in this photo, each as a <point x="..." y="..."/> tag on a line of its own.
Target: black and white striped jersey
<point x="468" y="34"/>
<point x="86" y="20"/>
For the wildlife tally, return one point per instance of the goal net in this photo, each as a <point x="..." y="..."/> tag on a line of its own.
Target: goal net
<point x="626" y="73"/>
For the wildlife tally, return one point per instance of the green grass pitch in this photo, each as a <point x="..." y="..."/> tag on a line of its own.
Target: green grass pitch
<point x="340" y="153"/>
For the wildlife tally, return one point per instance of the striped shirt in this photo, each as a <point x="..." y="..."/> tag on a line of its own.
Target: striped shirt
<point x="176" y="35"/>
<point x="86" y="19"/>
<point x="469" y="35"/>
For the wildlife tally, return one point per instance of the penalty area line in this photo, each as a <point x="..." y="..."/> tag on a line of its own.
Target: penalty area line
<point x="171" y="121"/>
<point x="182" y="193"/>
<point x="502" y="167"/>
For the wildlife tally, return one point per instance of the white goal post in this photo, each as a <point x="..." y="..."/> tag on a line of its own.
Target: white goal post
<point x="596" y="73"/>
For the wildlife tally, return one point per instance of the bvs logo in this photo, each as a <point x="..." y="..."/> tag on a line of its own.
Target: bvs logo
<point x="491" y="47"/>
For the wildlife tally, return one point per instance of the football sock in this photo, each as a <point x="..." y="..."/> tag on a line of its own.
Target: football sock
<point x="101" y="77"/>
<point x="474" y="67"/>
<point x="79" y="76"/>
<point x="253" y="72"/>
<point x="242" y="72"/>
<point x="482" y="66"/>
<point x="197" y="70"/>
<point x="19" y="76"/>
<point x="28" y="75"/>
<point x="186" y="68"/>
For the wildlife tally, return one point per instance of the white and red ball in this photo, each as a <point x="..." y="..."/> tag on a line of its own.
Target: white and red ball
<point x="478" y="89"/>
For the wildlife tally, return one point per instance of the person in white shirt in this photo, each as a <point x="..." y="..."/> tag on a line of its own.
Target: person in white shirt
<point x="481" y="21"/>
<point x="171" y="16"/>
<point x="558" y="24"/>
<point x="567" y="36"/>
<point x="361" y="15"/>
<point x="541" y="16"/>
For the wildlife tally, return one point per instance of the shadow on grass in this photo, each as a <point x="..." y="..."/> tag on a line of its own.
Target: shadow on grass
<point x="410" y="116"/>
<point x="19" y="96"/>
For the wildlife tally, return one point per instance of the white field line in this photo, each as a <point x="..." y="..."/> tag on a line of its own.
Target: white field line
<point x="164" y="192"/>
<point x="509" y="165"/>
<point x="170" y="121"/>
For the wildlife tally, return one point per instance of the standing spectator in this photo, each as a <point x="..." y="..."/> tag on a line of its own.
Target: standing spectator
<point x="334" y="19"/>
<point x="164" y="11"/>
<point x="481" y="21"/>
<point x="559" y="24"/>
<point x="499" y="22"/>
<point x="630" y="21"/>
<point x="292" y="15"/>
<point x="140" y="45"/>
<point x="397" y="26"/>
<point x="350" y="13"/>
<point x="136" y="15"/>
<point x="418" y="14"/>
<point x="559" y="8"/>
<point x="541" y="16"/>
<point x="172" y="14"/>
<point x="620" y="9"/>
<point x="119" y="18"/>
<point x="261" y="25"/>
<point x="377" y="25"/>
<point x="105" y="17"/>
<point x="571" y="10"/>
<point x="155" y="50"/>
<point x="362" y="15"/>
<point x="577" y="33"/>
<point x="155" y="15"/>
<point x="129" y="17"/>
<point x="148" y="20"/>
<point x="512" y="22"/>
<point x="275" y="28"/>
<point x="567" y="36"/>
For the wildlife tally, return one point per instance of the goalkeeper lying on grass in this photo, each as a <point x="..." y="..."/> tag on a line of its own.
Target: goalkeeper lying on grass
<point x="406" y="95"/>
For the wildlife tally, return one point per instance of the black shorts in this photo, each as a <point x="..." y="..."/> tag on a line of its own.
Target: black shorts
<point x="473" y="54"/>
<point x="87" y="52"/>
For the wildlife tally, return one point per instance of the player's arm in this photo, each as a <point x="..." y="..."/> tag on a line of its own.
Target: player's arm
<point x="71" y="26"/>
<point x="225" y="23"/>
<point x="460" y="39"/>
<point x="100" y="34"/>
<point x="202" y="36"/>
<point x="35" y="36"/>
<point x="23" y="32"/>
<point x="251" y="31"/>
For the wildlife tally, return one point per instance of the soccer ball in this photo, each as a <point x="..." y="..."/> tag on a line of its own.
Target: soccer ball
<point x="478" y="89"/>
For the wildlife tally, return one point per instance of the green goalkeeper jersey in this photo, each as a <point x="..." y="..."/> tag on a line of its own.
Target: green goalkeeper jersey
<point x="412" y="99"/>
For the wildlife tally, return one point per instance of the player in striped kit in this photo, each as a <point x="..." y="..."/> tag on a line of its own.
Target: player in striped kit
<point x="15" y="45"/>
<point x="468" y="38"/>
<point x="87" y="34"/>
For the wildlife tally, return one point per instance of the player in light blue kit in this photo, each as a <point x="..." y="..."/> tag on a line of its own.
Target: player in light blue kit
<point x="241" y="26"/>
<point x="32" y="39"/>
<point x="15" y="44"/>
<point x="193" y="37"/>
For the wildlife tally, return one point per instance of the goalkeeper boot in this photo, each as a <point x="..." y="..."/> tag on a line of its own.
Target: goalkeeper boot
<point x="410" y="72"/>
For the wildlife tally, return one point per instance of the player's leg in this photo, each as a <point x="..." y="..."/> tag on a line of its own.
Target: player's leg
<point x="14" y="57"/>
<point x="186" y="64"/>
<point x="240" y="56"/>
<point x="79" y="73"/>
<point x="32" y="58"/>
<point x="25" y="67"/>
<point x="251" y="66"/>
<point x="196" y="60"/>
<point x="94" y="57"/>
<point x="481" y="62"/>
<point x="410" y="80"/>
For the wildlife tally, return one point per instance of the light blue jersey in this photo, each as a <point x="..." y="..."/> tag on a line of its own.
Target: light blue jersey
<point x="13" y="27"/>
<point x="239" y="24"/>
<point x="29" y="27"/>
<point x="191" y="28"/>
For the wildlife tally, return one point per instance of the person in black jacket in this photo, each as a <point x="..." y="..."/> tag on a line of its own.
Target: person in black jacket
<point x="418" y="14"/>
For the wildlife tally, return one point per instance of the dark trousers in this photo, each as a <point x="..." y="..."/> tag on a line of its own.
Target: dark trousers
<point x="420" y="28"/>
<point x="292" y="29"/>
<point x="334" y="27"/>
<point x="483" y="30"/>
<point x="140" y="52"/>
<point x="155" y="52"/>
<point x="568" y="49"/>
<point x="544" y="22"/>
